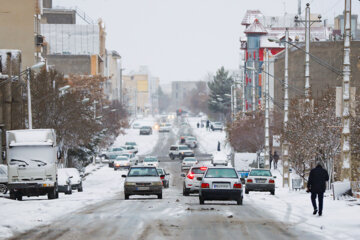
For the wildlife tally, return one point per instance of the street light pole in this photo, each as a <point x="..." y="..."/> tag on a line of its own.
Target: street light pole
<point x="28" y="75"/>
<point x="285" y="145"/>
<point x="345" y="134"/>
<point x="267" y="142"/>
<point x="307" y="57"/>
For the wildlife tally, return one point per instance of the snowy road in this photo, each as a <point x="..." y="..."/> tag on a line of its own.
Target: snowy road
<point x="173" y="217"/>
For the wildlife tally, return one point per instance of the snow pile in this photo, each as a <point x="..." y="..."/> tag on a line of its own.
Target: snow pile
<point x="242" y="161"/>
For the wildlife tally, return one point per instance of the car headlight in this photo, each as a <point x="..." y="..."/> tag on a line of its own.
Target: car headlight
<point x="157" y="183"/>
<point x="129" y="184"/>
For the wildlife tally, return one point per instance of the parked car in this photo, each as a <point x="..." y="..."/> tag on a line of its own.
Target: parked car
<point x="142" y="180"/>
<point x="3" y="179"/>
<point x="122" y="162"/>
<point x="191" y="183"/>
<point x="191" y="142"/>
<point x="217" y="126"/>
<point x="136" y="126"/>
<point x="164" y="176"/>
<point x="134" y="160"/>
<point x="145" y="130"/>
<point x="64" y="181"/>
<point x="111" y="152"/>
<point x="76" y="179"/>
<point x="151" y="161"/>
<point x="134" y="145"/>
<point x="260" y="180"/>
<point x="180" y="151"/>
<point x="188" y="162"/>
<point x="219" y="158"/>
<point x="130" y="149"/>
<point x="243" y="175"/>
<point x="220" y="183"/>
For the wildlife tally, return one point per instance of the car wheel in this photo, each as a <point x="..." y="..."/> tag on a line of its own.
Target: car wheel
<point x="127" y="196"/>
<point x="246" y="191"/>
<point x="202" y="201"/>
<point x="172" y="156"/>
<point x="168" y="185"/>
<point x="80" y="189"/>
<point x="159" y="196"/>
<point x="19" y="197"/>
<point x="186" y="191"/>
<point x="239" y="201"/>
<point x="272" y="192"/>
<point x="12" y="195"/>
<point x="114" y="169"/>
<point x="51" y="194"/>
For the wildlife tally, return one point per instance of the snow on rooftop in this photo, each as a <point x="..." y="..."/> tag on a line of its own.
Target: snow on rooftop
<point x="250" y="16"/>
<point x="256" y="27"/>
<point x="31" y="136"/>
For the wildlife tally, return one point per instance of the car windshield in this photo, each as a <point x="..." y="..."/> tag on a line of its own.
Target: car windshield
<point x="198" y="170"/>
<point x="168" y="125"/>
<point x="145" y="127"/>
<point x="172" y="148"/>
<point x="117" y="149"/>
<point x="112" y="156"/>
<point x="260" y="173"/>
<point x="130" y="143"/>
<point x="160" y="171"/>
<point x="122" y="159"/>
<point x="150" y="160"/>
<point x="191" y="138"/>
<point x="143" y="172"/>
<point x="217" y="123"/>
<point x="190" y="160"/>
<point x="126" y="155"/>
<point x="183" y="148"/>
<point x="221" y="173"/>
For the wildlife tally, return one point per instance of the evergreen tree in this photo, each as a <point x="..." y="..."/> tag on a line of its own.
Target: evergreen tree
<point x="221" y="85"/>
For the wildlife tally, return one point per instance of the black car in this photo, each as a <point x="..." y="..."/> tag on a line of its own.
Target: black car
<point x="145" y="130"/>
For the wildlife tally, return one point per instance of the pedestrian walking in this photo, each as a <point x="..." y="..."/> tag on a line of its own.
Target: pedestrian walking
<point x="316" y="185"/>
<point x="198" y="125"/>
<point x="276" y="159"/>
<point x="207" y="124"/>
<point x="218" y="147"/>
<point x="270" y="158"/>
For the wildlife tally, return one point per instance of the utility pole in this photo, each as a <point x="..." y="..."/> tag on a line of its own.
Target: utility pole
<point x="28" y="74"/>
<point x="308" y="24"/>
<point x="267" y="142"/>
<point x="285" y="145"/>
<point x="345" y="134"/>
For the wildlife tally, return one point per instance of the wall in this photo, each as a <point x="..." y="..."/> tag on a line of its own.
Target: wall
<point x="71" y="64"/>
<point x="55" y="16"/>
<point x="18" y="32"/>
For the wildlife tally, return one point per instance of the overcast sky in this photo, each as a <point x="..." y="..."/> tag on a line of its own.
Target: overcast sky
<point x="183" y="40"/>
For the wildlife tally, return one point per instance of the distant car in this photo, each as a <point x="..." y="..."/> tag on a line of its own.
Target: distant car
<point x="180" y="151"/>
<point x="191" y="142"/>
<point x="76" y="179"/>
<point x="134" y="145"/>
<point x="164" y="176"/>
<point x="188" y="162"/>
<point x="217" y="126"/>
<point x="121" y="162"/>
<point x="130" y="149"/>
<point x="136" y="126"/>
<point x="3" y="179"/>
<point x="134" y="160"/>
<point x="64" y="181"/>
<point x="151" y="161"/>
<point x="142" y="180"/>
<point x="191" y="183"/>
<point x="221" y="183"/>
<point x="145" y="130"/>
<point x="112" y="151"/>
<point x="219" y="158"/>
<point x="243" y="175"/>
<point x="111" y="160"/>
<point x="260" y="180"/>
<point x="164" y="127"/>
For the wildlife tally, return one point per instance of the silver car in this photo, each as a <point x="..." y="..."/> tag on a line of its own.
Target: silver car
<point x="260" y="180"/>
<point x="221" y="183"/>
<point x="187" y="163"/>
<point x="142" y="181"/>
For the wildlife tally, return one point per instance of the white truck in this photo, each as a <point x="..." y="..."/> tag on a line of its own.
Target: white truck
<point x="32" y="156"/>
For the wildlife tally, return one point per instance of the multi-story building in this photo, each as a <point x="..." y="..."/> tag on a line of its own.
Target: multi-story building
<point x="179" y="90"/>
<point x="259" y="29"/>
<point x="20" y="29"/>
<point x="140" y="91"/>
<point x="113" y="73"/>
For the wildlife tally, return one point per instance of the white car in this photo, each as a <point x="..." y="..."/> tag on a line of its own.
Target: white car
<point x="191" y="142"/>
<point x="122" y="162"/>
<point x="180" y="151"/>
<point x="165" y="127"/>
<point x="132" y="157"/>
<point x="191" y="183"/>
<point x="134" y="145"/>
<point x="221" y="183"/>
<point x="260" y="180"/>
<point x="64" y="181"/>
<point x="136" y="126"/>
<point x="151" y="161"/>
<point x="76" y="179"/>
<point x="217" y="126"/>
<point x="130" y="149"/>
<point x="188" y="162"/>
<point x="220" y="158"/>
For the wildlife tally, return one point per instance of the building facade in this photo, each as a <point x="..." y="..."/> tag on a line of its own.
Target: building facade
<point x="179" y="90"/>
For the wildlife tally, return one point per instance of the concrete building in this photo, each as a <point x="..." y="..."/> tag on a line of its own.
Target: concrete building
<point x="113" y="74"/>
<point x="179" y="90"/>
<point x="140" y="91"/>
<point x="20" y="28"/>
<point x="339" y="27"/>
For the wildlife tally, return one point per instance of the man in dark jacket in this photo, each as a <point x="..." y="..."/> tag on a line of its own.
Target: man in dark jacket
<point x="316" y="185"/>
<point x="276" y="159"/>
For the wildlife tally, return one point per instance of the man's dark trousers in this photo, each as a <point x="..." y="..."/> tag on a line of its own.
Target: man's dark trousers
<point x="320" y="200"/>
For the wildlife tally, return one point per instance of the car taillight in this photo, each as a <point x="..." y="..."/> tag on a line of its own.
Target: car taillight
<point x="237" y="185"/>
<point x="249" y="181"/>
<point x="190" y="176"/>
<point x="203" y="168"/>
<point x="162" y="177"/>
<point x="204" y="185"/>
<point x="271" y="181"/>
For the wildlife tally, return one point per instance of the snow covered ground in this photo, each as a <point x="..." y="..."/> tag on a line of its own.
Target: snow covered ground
<point x="101" y="183"/>
<point x="340" y="220"/>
